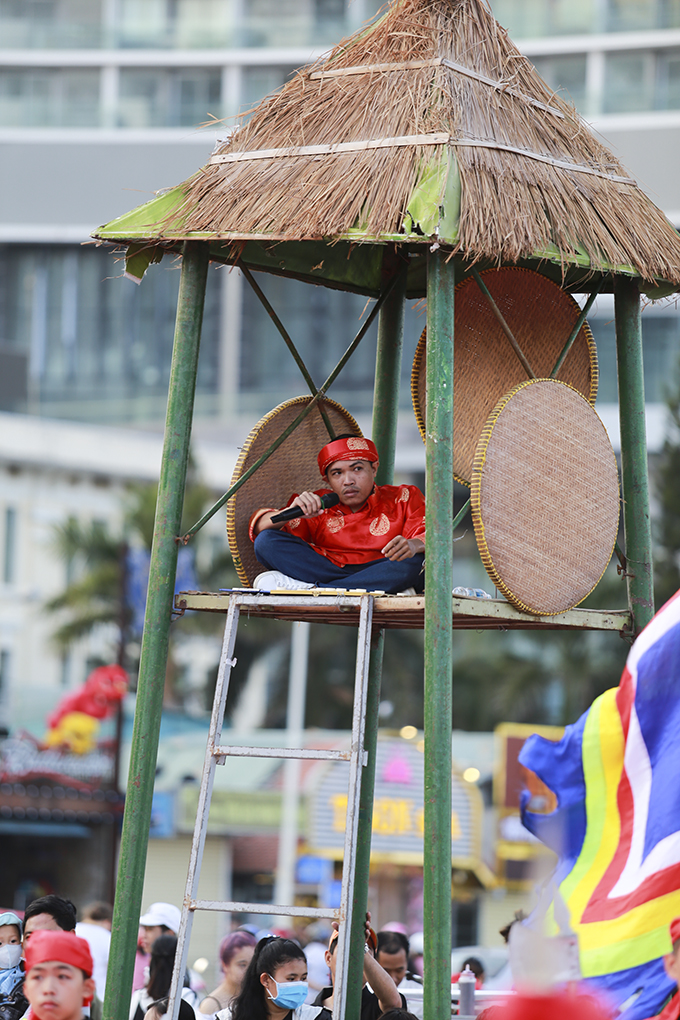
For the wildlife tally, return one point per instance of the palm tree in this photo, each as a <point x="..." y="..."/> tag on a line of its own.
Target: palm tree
<point x="96" y="595"/>
<point x="97" y="589"/>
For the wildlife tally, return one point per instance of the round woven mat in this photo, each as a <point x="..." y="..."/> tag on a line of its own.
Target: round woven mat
<point x="545" y="497"/>
<point x="291" y="468"/>
<point x="541" y="317"/>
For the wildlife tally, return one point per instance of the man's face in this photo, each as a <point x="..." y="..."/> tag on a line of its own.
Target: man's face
<point x="352" y="480"/>
<point x="395" y="964"/>
<point x="150" y="932"/>
<point x="39" y="922"/>
<point x="56" y="990"/>
<point x="671" y="963"/>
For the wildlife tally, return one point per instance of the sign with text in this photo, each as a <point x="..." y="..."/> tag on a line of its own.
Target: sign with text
<point x="22" y="757"/>
<point x="398" y="809"/>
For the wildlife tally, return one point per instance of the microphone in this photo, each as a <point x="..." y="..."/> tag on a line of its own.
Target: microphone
<point x="330" y="499"/>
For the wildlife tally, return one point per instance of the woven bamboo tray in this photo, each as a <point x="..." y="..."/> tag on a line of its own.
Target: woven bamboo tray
<point x="545" y="497"/>
<point x="291" y="468"/>
<point x="541" y="316"/>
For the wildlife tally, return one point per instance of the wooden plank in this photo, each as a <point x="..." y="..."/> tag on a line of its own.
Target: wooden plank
<point x="330" y="149"/>
<point x="400" y="612"/>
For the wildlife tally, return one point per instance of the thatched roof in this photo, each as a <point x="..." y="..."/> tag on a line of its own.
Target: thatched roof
<point x="429" y="124"/>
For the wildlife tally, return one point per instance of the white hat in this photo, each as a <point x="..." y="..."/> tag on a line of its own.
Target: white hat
<point x="162" y="913"/>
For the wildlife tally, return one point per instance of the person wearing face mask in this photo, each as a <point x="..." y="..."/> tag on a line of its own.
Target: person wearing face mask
<point x="275" y="986"/>
<point x="12" y="1000"/>
<point x="10" y="952"/>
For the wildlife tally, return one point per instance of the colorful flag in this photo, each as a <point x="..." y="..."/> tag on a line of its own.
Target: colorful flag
<point x="616" y="829"/>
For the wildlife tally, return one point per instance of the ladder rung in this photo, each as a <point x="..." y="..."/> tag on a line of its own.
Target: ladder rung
<point x="230" y="906"/>
<point x="320" y="754"/>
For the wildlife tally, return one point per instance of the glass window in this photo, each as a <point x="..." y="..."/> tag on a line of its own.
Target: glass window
<point x="629" y="81"/>
<point x="204" y="23"/>
<point x="661" y="342"/>
<point x="629" y="15"/>
<point x="179" y="24"/>
<point x="182" y="24"/>
<point x="531" y="19"/>
<point x="98" y="346"/>
<point x="142" y="23"/>
<point x="668" y="80"/>
<point x="49" y="97"/>
<point x="168" y="97"/>
<point x="47" y="24"/>
<point x="322" y="323"/>
<point x="566" y="75"/>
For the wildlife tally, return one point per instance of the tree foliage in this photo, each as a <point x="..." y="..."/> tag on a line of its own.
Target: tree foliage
<point x="96" y="561"/>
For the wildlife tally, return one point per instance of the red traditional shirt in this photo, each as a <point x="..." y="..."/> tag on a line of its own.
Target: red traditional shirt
<point x="347" y="536"/>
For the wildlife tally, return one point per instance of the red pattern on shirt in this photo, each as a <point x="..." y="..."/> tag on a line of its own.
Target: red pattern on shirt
<point x="363" y="534"/>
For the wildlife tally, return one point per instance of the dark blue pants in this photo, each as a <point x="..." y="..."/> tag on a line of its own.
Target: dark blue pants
<point x="279" y="550"/>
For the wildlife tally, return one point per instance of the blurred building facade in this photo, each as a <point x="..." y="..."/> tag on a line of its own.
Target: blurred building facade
<point x="101" y="105"/>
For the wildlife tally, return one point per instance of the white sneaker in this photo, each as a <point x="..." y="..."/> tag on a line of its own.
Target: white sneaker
<point x="408" y="591"/>
<point x="270" y="580"/>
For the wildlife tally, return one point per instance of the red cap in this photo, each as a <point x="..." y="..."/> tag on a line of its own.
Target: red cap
<point x="354" y="448"/>
<point x="62" y="947"/>
<point x="675" y="930"/>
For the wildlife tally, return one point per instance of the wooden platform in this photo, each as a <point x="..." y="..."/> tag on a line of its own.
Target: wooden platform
<point x="395" y="612"/>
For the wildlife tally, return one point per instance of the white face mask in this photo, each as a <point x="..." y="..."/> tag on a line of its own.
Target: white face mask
<point x="9" y="956"/>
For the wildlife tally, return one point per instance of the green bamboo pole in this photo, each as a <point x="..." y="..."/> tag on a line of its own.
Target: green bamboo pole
<point x="153" y="659"/>
<point x="438" y="637"/>
<point x="635" y="480"/>
<point x="388" y="366"/>
<point x="385" y="414"/>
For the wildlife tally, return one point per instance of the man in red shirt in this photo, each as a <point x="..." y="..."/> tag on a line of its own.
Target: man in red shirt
<point x="374" y="538"/>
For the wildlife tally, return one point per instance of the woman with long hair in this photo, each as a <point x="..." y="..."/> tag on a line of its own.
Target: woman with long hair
<point x="236" y="952"/>
<point x="275" y="986"/>
<point x="160" y="978"/>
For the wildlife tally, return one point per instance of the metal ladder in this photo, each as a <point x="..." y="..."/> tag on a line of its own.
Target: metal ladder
<point x="217" y="754"/>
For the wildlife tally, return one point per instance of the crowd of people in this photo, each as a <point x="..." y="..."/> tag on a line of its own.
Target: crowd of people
<point x="53" y="967"/>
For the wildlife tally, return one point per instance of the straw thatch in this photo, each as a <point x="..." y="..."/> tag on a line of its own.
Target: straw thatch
<point x="512" y="205"/>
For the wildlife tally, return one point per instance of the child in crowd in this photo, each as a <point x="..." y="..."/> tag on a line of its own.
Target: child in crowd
<point x="10" y="953"/>
<point x="58" y="982"/>
<point x="13" y="1003"/>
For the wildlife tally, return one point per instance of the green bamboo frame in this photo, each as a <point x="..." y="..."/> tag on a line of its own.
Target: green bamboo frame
<point x="438" y="604"/>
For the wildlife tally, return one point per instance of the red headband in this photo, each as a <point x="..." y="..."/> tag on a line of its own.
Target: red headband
<point x="354" y="448"/>
<point x="62" y="947"/>
<point x="675" y="930"/>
